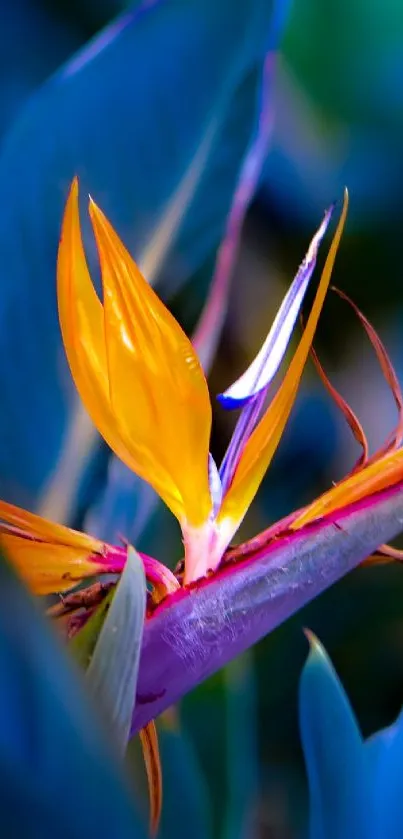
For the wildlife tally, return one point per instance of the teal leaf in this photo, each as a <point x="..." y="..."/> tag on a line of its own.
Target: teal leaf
<point x="113" y="669"/>
<point x="25" y="28"/>
<point x="385" y="757"/>
<point x="181" y="772"/>
<point x="334" y="752"/>
<point x="59" y="775"/>
<point x="242" y="748"/>
<point x="124" y="505"/>
<point x="155" y="117"/>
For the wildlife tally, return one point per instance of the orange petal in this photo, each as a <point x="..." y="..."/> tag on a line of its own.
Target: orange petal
<point x="382" y="474"/>
<point x="49" y="556"/>
<point x="47" y="568"/>
<point x="47" y="531"/>
<point x="82" y="325"/>
<point x="135" y="369"/>
<point x="149" y="744"/>
<point x="263" y="442"/>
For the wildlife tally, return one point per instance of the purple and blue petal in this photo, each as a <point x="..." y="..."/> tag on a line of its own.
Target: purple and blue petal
<point x="265" y="365"/>
<point x="215" y="484"/>
<point x="242" y="432"/>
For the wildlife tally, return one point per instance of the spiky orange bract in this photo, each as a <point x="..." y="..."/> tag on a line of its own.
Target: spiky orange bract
<point x="49" y="556"/>
<point x="263" y="442"/>
<point x="381" y="474"/>
<point x="135" y="368"/>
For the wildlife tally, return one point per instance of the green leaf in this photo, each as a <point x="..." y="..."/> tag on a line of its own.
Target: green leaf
<point x="242" y="747"/>
<point x="83" y="644"/>
<point x="182" y="771"/>
<point x="113" y="669"/>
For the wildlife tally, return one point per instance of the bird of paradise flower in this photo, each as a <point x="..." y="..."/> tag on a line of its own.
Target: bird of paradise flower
<point x="141" y="381"/>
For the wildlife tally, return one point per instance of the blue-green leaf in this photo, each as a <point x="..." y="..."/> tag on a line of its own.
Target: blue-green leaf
<point x="182" y="773"/>
<point x="26" y="28"/>
<point x="385" y="755"/>
<point x="58" y="775"/>
<point x="334" y="753"/>
<point x="242" y="748"/>
<point x="155" y="116"/>
<point x="113" y="669"/>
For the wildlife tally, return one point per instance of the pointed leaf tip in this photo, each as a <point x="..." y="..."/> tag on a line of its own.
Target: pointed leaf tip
<point x="333" y="750"/>
<point x="315" y="647"/>
<point x="113" y="670"/>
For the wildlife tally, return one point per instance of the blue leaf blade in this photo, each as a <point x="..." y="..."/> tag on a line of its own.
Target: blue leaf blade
<point x="181" y="771"/>
<point x="138" y="150"/>
<point x="55" y="761"/>
<point x="334" y="753"/>
<point x="242" y="748"/>
<point x="384" y="753"/>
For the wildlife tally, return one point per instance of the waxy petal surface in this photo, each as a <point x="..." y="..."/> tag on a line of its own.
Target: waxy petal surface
<point x="135" y="368"/>
<point x="265" y="365"/>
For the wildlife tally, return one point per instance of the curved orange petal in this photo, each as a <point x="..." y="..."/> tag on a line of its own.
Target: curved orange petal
<point x="47" y="531"/>
<point x="385" y="472"/>
<point x="152" y="760"/>
<point x="135" y="369"/>
<point x="49" y="556"/>
<point x="82" y="325"/>
<point x="263" y="442"/>
<point x="48" y="568"/>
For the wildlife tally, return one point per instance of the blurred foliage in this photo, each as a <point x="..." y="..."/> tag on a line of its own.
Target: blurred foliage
<point x="354" y="785"/>
<point x="163" y="164"/>
<point x="59" y="774"/>
<point x="338" y="104"/>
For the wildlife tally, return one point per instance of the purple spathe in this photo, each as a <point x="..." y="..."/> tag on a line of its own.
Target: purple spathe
<point x="198" y="630"/>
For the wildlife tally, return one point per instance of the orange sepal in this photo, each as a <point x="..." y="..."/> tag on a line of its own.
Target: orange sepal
<point x="48" y="568"/>
<point x="50" y="557"/>
<point x="135" y="369"/>
<point x="381" y="474"/>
